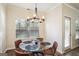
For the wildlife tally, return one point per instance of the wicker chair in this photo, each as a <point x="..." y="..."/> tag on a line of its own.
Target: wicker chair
<point x="17" y="42"/>
<point x="18" y="51"/>
<point x="40" y="39"/>
<point x="51" y="50"/>
<point x="54" y="47"/>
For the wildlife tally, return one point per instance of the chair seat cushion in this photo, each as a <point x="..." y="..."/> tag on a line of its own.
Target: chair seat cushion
<point x="19" y="51"/>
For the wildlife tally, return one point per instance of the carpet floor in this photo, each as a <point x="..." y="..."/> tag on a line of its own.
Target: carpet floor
<point x="12" y="53"/>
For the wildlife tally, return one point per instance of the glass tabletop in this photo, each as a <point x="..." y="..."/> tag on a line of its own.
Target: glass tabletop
<point x="31" y="47"/>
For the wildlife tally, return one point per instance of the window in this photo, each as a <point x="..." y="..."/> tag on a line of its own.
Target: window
<point x="77" y="29"/>
<point x="26" y="29"/>
<point x="67" y="32"/>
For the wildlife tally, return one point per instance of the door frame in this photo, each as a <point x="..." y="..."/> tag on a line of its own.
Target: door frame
<point x="67" y="48"/>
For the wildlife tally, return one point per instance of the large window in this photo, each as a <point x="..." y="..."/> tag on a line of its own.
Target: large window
<point x="26" y="29"/>
<point x="77" y="29"/>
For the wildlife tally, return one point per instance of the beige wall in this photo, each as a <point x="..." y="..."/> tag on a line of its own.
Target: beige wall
<point x="2" y="28"/>
<point x="13" y="13"/>
<point x="54" y="26"/>
<point x="67" y="11"/>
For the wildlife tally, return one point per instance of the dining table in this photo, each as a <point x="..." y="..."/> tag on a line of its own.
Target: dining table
<point x="28" y="46"/>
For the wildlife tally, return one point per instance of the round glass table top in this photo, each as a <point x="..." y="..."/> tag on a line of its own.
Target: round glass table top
<point x="30" y="47"/>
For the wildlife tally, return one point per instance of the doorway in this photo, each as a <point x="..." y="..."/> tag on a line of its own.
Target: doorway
<point x="67" y="41"/>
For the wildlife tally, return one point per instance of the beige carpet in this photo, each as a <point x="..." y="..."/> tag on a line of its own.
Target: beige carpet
<point x="12" y="53"/>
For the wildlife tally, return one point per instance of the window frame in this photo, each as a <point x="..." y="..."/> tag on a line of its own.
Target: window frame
<point x="28" y="30"/>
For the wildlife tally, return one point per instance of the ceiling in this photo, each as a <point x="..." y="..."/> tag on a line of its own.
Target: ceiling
<point x="75" y="5"/>
<point x="41" y="6"/>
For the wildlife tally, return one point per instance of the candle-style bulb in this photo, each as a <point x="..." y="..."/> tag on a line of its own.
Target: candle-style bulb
<point x="28" y="17"/>
<point x="43" y="18"/>
<point x="34" y="15"/>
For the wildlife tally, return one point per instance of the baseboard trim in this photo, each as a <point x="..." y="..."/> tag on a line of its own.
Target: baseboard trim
<point x="74" y="47"/>
<point x="71" y="49"/>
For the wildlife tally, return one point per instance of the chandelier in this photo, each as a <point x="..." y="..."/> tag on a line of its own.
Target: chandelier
<point x="35" y="17"/>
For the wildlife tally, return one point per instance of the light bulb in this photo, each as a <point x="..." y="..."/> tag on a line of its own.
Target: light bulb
<point x="40" y="21"/>
<point x="32" y="21"/>
<point x="34" y="15"/>
<point x="43" y="17"/>
<point x="28" y="17"/>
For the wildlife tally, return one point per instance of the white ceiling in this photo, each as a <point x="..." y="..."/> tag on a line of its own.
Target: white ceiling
<point x="41" y="6"/>
<point x="75" y="5"/>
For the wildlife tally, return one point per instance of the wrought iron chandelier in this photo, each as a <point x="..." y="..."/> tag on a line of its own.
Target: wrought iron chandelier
<point x="35" y="17"/>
